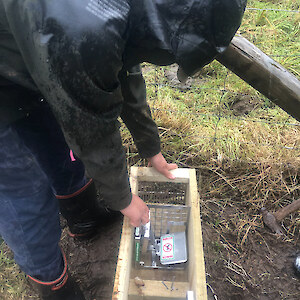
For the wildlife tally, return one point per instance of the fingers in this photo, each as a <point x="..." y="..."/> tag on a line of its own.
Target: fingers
<point x="172" y="166"/>
<point x="145" y="218"/>
<point x="137" y="211"/>
<point x="161" y="165"/>
<point x="135" y="223"/>
<point x="167" y="174"/>
<point x="166" y="170"/>
<point x="140" y="221"/>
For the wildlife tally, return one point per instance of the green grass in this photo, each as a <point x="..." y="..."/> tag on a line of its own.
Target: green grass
<point x="12" y="280"/>
<point x="275" y="32"/>
<point x="202" y="117"/>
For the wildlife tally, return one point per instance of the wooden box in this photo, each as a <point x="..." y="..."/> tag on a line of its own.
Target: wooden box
<point x="163" y="284"/>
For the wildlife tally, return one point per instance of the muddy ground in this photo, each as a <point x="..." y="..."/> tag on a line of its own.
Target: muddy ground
<point x="93" y="262"/>
<point x="262" y="270"/>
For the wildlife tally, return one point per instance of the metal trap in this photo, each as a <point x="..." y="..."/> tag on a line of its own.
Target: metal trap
<point x="162" y="192"/>
<point x="161" y="244"/>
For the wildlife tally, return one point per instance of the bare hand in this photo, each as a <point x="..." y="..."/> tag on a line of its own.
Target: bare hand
<point x="137" y="211"/>
<point x="160" y="164"/>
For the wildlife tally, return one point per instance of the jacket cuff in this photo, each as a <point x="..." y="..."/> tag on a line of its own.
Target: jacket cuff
<point x="149" y="152"/>
<point x="148" y="149"/>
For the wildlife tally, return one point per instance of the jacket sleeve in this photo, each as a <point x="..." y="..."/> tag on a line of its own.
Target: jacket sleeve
<point x="73" y="51"/>
<point x="136" y="113"/>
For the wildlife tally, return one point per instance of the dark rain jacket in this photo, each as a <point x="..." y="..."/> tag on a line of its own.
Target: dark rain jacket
<point x="77" y="54"/>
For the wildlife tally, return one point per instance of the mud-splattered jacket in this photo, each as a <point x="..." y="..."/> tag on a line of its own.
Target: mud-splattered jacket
<point x="76" y="53"/>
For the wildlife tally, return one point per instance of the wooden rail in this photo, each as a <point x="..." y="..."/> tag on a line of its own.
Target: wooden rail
<point x="264" y="74"/>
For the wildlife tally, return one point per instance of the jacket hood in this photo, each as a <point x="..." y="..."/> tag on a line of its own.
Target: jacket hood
<point x="188" y="32"/>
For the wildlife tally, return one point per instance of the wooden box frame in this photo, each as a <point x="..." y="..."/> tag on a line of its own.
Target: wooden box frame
<point x="196" y="272"/>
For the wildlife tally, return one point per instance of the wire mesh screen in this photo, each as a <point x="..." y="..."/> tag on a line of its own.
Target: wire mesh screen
<point x="165" y="221"/>
<point x="162" y="192"/>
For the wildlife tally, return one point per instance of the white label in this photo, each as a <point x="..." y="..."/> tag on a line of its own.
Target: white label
<point x="167" y="247"/>
<point x="147" y="228"/>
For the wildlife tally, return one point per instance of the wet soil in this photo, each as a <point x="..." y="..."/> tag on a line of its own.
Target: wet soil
<point x="262" y="269"/>
<point x="92" y="263"/>
<point x="242" y="105"/>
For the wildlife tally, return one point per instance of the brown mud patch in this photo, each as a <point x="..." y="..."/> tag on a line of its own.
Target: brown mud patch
<point x="262" y="270"/>
<point x="92" y="263"/>
<point x="242" y="104"/>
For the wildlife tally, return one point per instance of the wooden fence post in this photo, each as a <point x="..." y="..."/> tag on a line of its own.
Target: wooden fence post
<point x="264" y="74"/>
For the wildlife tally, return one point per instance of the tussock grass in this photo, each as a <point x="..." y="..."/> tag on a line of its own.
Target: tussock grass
<point x="245" y="147"/>
<point x="204" y="125"/>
